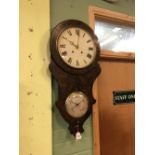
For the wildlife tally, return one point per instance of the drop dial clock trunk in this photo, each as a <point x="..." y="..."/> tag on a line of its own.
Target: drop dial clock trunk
<point x="74" y="52"/>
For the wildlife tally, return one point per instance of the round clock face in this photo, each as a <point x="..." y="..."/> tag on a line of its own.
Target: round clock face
<point x="76" y="104"/>
<point x="76" y="47"/>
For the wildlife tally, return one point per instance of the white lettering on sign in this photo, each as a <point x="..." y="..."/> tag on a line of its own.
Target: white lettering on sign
<point x="131" y="96"/>
<point x="124" y="97"/>
<point x="121" y="97"/>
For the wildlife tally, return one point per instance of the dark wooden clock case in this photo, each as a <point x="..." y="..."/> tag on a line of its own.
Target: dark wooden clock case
<point x="71" y="79"/>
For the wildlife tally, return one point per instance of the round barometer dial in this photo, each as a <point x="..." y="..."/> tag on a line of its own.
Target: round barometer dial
<point x="76" y="104"/>
<point x="76" y="47"/>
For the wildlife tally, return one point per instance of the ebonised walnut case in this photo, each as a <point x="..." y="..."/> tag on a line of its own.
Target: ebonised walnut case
<point x="74" y="64"/>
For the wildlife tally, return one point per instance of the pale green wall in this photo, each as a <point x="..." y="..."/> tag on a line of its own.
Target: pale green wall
<point x="78" y="9"/>
<point x="63" y="142"/>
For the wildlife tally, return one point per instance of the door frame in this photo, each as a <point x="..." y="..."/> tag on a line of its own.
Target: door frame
<point x="114" y="17"/>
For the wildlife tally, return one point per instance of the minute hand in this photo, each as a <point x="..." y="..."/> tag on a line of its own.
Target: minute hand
<point x="71" y="42"/>
<point x="77" y="42"/>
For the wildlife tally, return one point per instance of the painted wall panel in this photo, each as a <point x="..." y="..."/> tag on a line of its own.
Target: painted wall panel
<point x="78" y="9"/>
<point x="35" y="82"/>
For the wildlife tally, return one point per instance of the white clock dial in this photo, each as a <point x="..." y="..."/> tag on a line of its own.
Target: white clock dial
<point x="76" y="104"/>
<point x="76" y="47"/>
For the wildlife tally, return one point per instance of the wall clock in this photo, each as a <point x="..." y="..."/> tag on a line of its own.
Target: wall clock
<point x="74" y="51"/>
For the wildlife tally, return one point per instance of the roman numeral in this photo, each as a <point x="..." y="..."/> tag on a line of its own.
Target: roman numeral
<point x="84" y="61"/>
<point x="70" y="60"/>
<point x="64" y="53"/>
<point x="69" y="32"/>
<point x="89" y="56"/>
<point x="77" y="31"/>
<point x="90" y="48"/>
<point x="64" y="38"/>
<point x="77" y="63"/>
<point x="88" y="41"/>
<point x="63" y="46"/>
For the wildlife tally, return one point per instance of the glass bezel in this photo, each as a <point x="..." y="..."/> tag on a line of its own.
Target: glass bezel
<point x="58" y="49"/>
<point x="71" y="106"/>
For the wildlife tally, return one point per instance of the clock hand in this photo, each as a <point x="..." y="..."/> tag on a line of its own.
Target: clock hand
<point x="71" y="42"/>
<point x="76" y="105"/>
<point x="78" y="42"/>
